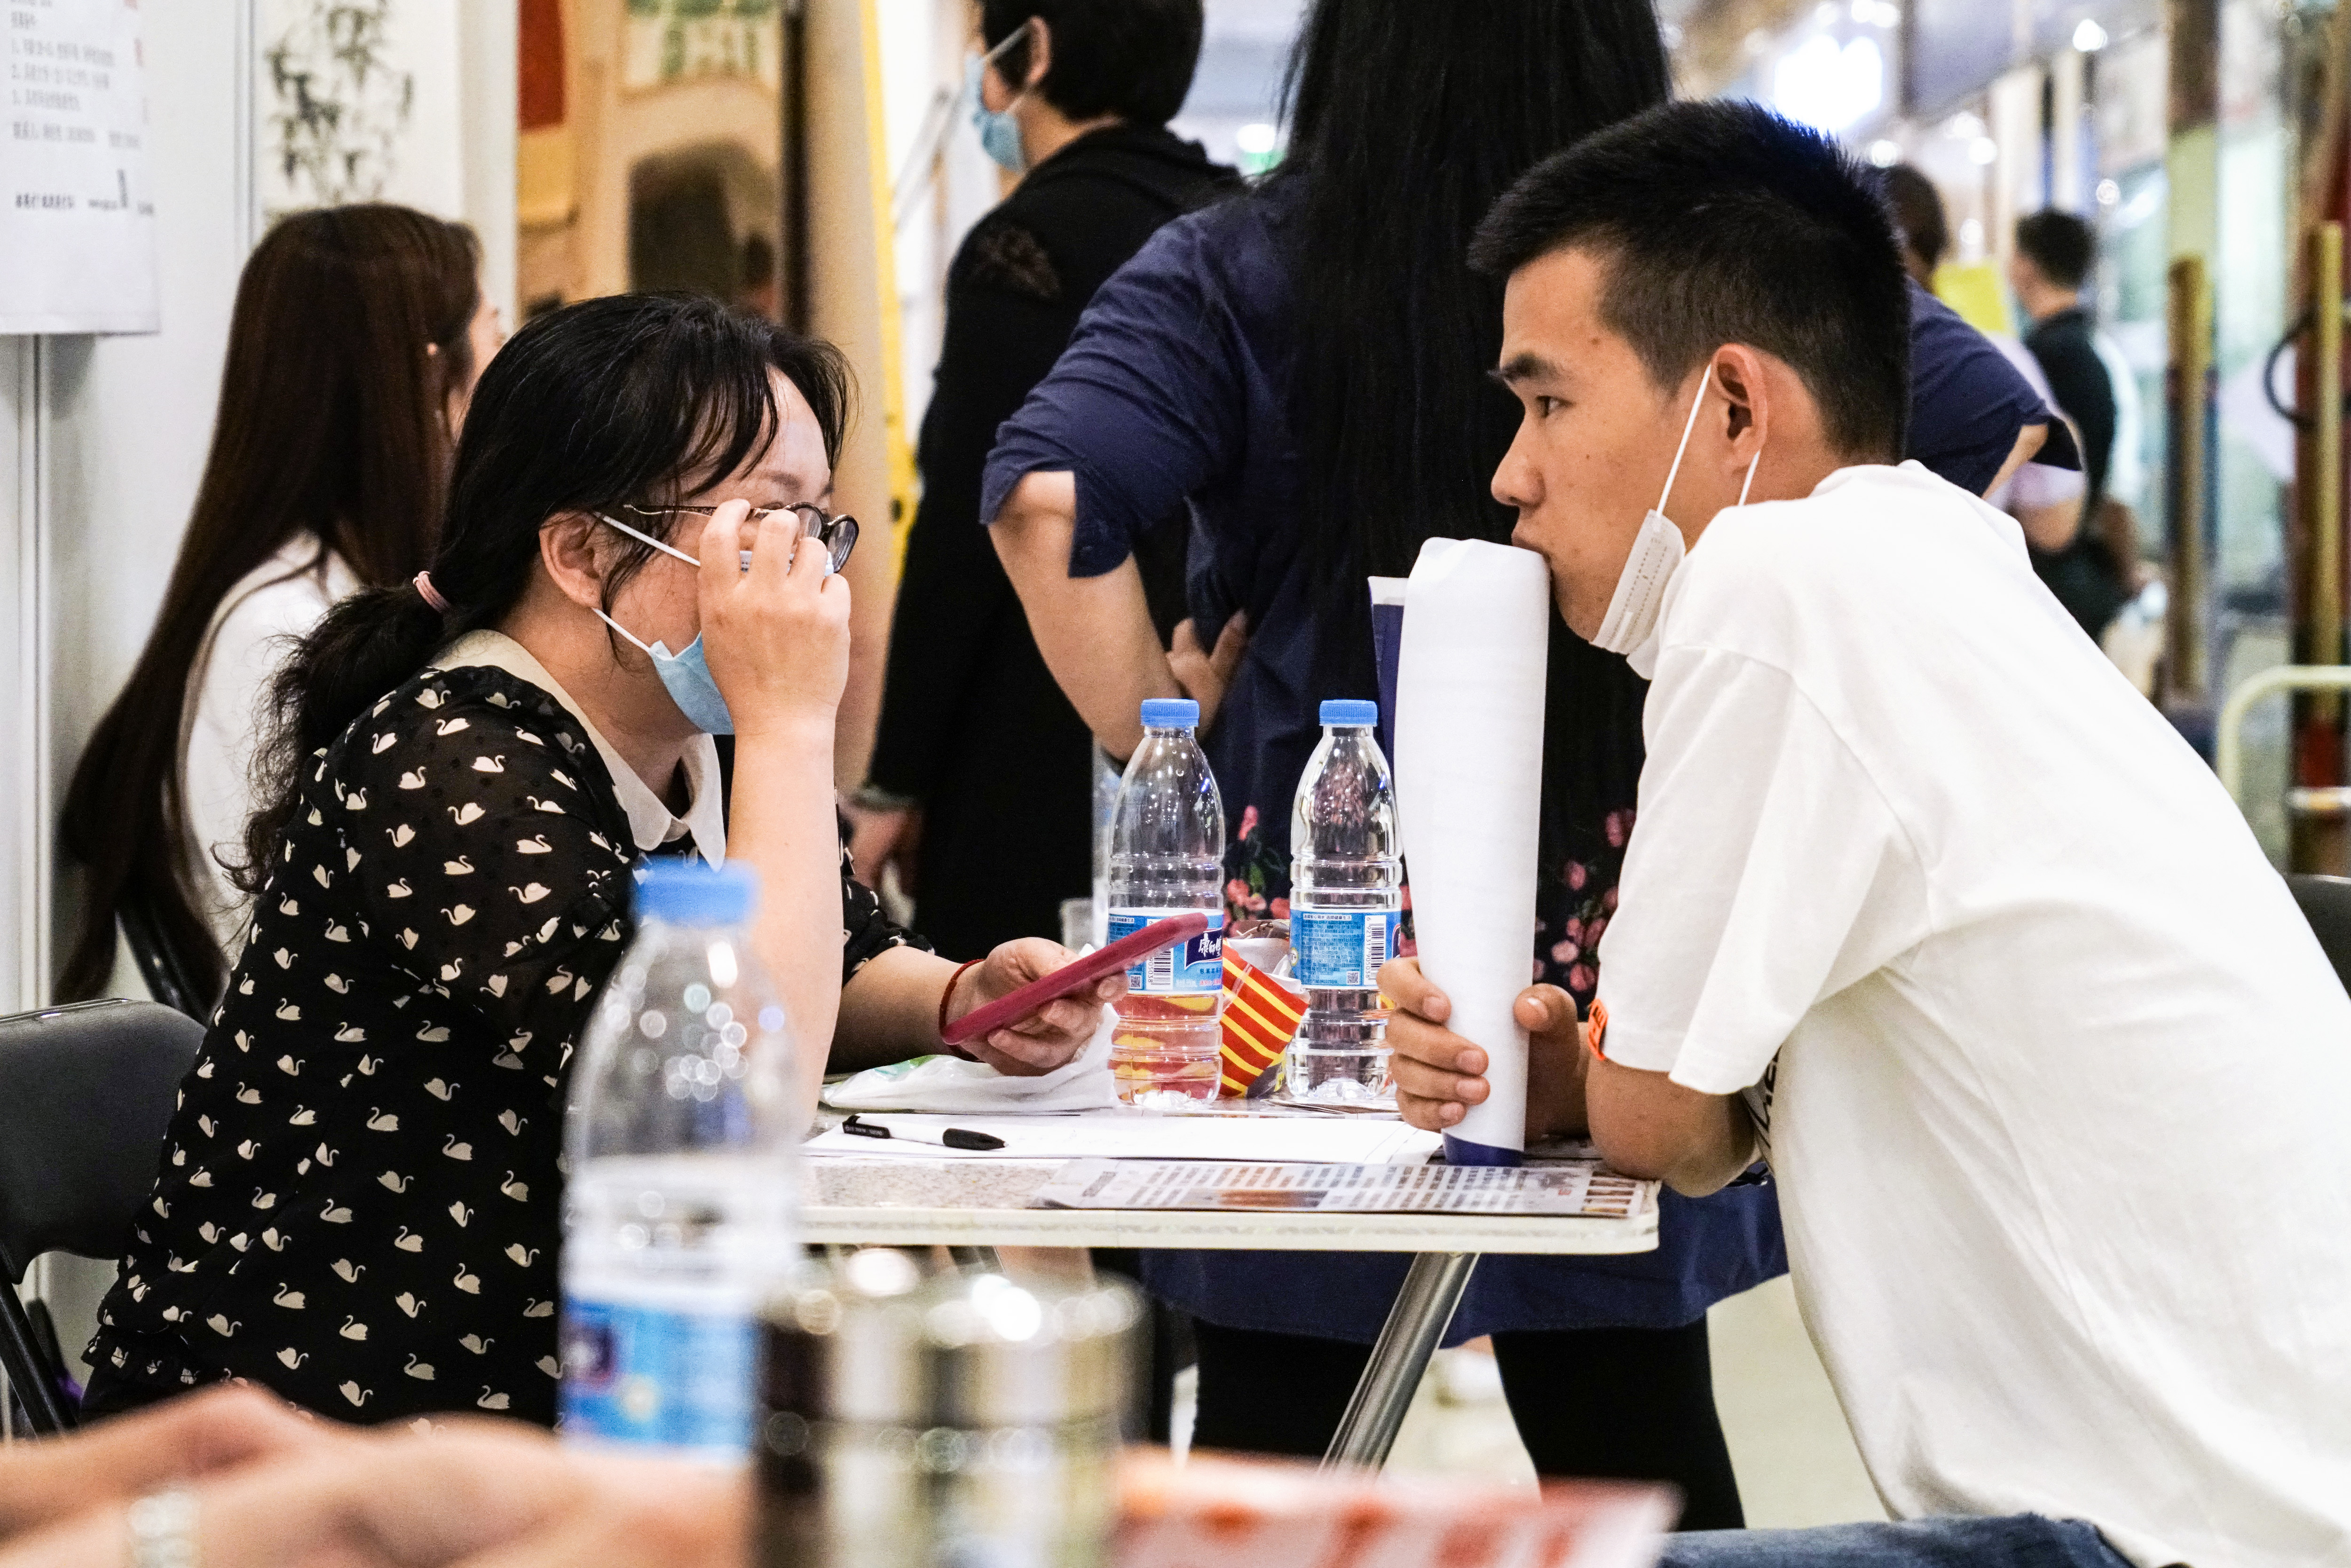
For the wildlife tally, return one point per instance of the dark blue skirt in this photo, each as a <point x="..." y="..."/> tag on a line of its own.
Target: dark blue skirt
<point x="1708" y="1248"/>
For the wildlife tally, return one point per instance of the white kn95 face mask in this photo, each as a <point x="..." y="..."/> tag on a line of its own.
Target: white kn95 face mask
<point x="1630" y="627"/>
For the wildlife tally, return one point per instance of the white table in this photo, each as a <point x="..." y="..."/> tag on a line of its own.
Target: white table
<point x="900" y="1200"/>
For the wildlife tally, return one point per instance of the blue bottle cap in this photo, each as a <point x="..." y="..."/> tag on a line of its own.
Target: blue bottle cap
<point x="1170" y="713"/>
<point x="688" y="892"/>
<point x="1353" y="711"/>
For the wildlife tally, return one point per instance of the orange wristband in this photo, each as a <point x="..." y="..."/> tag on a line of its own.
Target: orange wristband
<point x="1596" y="1029"/>
<point x="946" y="1000"/>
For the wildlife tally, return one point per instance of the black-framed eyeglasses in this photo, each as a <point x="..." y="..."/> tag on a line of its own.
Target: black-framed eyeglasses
<point x="837" y="534"/>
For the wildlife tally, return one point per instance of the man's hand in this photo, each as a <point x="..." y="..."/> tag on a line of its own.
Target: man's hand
<point x="1440" y="1075"/>
<point x="1047" y="1038"/>
<point x="1206" y="675"/>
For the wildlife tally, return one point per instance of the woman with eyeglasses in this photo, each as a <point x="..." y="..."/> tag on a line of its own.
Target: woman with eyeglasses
<point x="359" y="1202"/>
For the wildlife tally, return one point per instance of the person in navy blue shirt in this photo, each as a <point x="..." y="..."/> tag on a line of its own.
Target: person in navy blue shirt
<point x="1304" y="369"/>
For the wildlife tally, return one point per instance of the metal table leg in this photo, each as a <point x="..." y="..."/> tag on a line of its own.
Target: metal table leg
<point x="1423" y="1308"/>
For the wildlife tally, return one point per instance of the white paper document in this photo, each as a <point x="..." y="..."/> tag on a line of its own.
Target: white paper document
<point x="77" y="212"/>
<point x="1576" y="1188"/>
<point x="1127" y="1134"/>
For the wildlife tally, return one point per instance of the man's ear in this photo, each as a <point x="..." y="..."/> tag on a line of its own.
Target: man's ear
<point x="568" y="549"/>
<point x="1747" y="392"/>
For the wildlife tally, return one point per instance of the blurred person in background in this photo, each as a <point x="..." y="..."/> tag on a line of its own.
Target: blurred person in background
<point x="356" y="339"/>
<point x="2045" y="499"/>
<point x="2092" y="575"/>
<point x="1307" y="372"/>
<point x="980" y="788"/>
<point x="1976" y="418"/>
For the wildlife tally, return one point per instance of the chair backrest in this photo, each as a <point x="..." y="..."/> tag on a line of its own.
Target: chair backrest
<point x="2326" y="904"/>
<point x="86" y="1093"/>
<point x="168" y="976"/>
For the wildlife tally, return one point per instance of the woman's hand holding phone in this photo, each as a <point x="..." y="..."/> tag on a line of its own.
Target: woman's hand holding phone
<point x="1047" y="1038"/>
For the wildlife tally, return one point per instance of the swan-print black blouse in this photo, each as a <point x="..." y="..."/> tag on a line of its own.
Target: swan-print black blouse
<point x="359" y="1204"/>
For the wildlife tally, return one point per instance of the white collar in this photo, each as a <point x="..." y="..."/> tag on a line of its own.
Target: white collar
<point x="652" y="823"/>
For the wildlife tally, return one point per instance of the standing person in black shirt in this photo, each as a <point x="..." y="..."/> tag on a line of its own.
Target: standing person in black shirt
<point x="981" y="785"/>
<point x="360" y="1196"/>
<point x="2053" y="252"/>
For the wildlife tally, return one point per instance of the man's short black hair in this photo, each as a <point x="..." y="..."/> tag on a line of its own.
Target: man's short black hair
<point x="1721" y="223"/>
<point x="2059" y="244"/>
<point x="1133" y="58"/>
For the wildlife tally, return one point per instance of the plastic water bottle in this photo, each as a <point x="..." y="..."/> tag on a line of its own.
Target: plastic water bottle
<point x="1346" y="899"/>
<point x="680" y="1217"/>
<point x="1167" y="857"/>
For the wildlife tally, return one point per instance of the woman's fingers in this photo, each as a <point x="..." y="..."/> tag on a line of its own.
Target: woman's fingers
<point x="219" y="1428"/>
<point x="719" y="552"/>
<point x="1232" y="644"/>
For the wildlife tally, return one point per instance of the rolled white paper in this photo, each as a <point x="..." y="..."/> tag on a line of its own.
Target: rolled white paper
<point x="1469" y="769"/>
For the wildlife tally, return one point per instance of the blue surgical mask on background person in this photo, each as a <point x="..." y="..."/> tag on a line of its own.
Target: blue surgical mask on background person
<point x="686" y="676"/>
<point x="999" y="133"/>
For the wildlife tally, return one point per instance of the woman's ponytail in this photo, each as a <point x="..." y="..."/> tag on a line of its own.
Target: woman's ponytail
<point x="367" y="645"/>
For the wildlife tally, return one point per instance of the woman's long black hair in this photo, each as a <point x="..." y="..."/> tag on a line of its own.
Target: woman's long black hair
<point x="1406" y="122"/>
<point x="1408" y="118"/>
<point x="631" y="398"/>
<point x="333" y="422"/>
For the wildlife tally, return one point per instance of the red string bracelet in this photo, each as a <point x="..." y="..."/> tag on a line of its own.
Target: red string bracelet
<point x="946" y="1000"/>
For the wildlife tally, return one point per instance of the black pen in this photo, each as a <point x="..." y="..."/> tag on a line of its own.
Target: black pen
<point x="951" y="1138"/>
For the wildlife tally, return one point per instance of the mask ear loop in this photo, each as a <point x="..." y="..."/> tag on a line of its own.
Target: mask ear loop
<point x="666" y="550"/>
<point x="625" y="632"/>
<point x="649" y="539"/>
<point x="989" y="58"/>
<point x="1749" y="482"/>
<point x="1688" y="425"/>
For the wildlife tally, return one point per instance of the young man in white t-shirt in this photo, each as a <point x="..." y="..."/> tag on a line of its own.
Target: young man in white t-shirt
<point x="1926" y="906"/>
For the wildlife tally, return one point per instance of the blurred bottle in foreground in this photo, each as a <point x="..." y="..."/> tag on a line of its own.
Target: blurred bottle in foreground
<point x="679" y="1215"/>
<point x="1167" y="857"/>
<point x="1346" y="899"/>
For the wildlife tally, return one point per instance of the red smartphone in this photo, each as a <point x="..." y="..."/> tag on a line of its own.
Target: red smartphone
<point x="1122" y="953"/>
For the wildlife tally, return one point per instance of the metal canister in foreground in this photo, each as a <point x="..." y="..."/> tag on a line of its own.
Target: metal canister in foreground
<point x="965" y="1421"/>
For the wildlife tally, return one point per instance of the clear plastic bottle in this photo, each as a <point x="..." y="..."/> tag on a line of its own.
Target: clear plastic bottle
<point x="1167" y="857"/>
<point x="1346" y="899"/>
<point x="679" y="1212"/>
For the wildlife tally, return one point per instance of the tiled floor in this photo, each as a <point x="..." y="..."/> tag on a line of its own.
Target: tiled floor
<point x="1796" y="1461"/>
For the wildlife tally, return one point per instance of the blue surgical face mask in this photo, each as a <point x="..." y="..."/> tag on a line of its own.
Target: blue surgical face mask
<point x="684" y="676"/>
<point x="999" y="133"/>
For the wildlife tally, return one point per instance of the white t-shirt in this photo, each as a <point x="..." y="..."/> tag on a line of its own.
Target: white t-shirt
<point x="258" y="621"/>
<point x="2056" y="1076"/>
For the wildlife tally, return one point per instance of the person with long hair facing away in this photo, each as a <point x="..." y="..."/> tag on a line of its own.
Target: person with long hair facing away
<point x="1306" y="371"/>
<point x="356" y="338"/>
<point x="358" y="1196"/>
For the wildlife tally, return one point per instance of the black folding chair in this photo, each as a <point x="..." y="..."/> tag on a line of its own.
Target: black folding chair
<point x="2326" y="904"/>
<point x="168" y="978"/>
<point x="86" y="1093"/>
